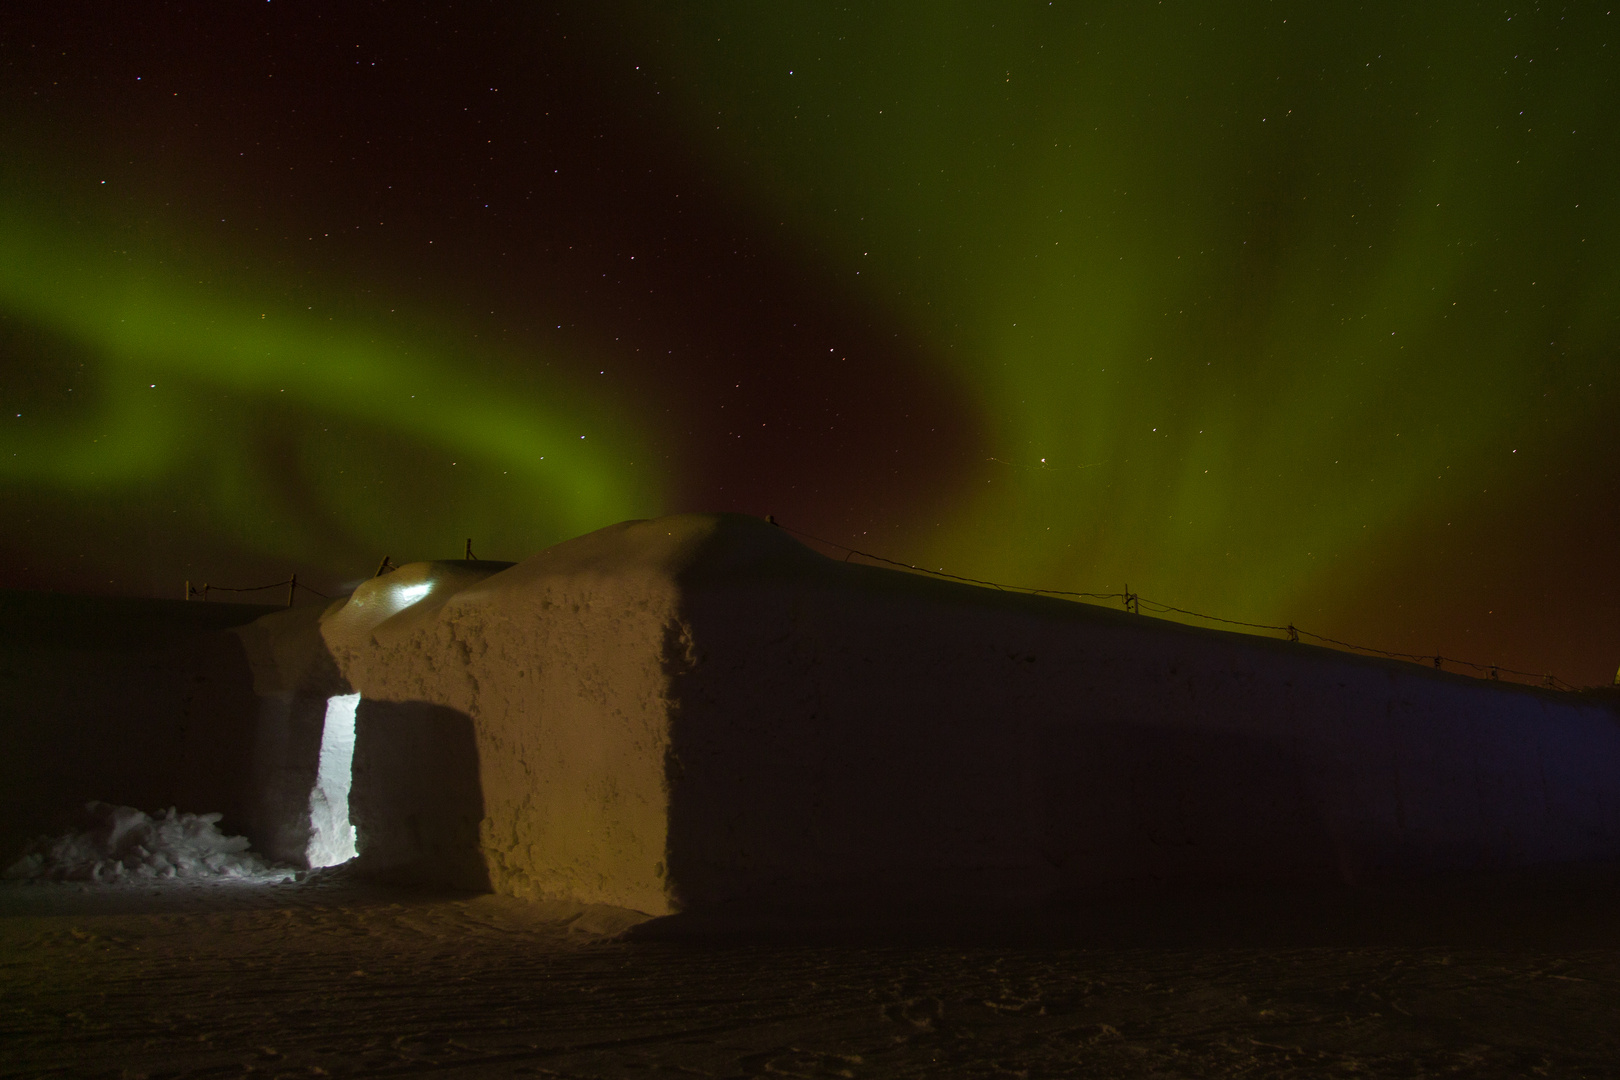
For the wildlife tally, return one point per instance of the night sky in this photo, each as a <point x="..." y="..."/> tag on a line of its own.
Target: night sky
<point x="1285" y="312"/>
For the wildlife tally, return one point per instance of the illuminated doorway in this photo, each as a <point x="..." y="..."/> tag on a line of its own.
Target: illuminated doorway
<point x="331" y="837"/>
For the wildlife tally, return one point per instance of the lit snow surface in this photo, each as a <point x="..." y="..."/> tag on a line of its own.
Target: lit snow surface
<point x="332" y="839"/>
<point x="117" y="844"/>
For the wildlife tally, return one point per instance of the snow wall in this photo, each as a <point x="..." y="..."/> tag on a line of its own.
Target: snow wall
<point x="143" y="702"/>
<point x="681" y="712"/>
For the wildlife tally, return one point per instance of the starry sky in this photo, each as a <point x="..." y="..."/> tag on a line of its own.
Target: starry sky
<point x="1284" y="312"/>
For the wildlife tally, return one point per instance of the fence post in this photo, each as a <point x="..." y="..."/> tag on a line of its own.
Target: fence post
<point x="292" y="589"/>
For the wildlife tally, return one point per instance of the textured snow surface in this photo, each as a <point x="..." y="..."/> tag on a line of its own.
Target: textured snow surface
<point x="332" y="839"/>
<point x="695" y="710"/>
<point x="120" y="843"/>
<point x="302" y="980"/>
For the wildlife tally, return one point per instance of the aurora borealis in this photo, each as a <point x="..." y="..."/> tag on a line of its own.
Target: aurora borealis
<point x="1282" y="312"/>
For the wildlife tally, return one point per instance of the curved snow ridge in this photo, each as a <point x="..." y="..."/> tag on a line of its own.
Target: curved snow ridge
<point x="117" y="844"/>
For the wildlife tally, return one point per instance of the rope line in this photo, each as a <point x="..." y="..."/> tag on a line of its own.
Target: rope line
<point x="1136" y="602"/>
<point x="204" y="589"/>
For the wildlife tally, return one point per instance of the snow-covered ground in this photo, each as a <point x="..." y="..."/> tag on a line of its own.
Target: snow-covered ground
<point x="330" y="977"/>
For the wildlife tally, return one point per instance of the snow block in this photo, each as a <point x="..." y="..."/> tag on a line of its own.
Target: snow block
<point x="694" y="710"/>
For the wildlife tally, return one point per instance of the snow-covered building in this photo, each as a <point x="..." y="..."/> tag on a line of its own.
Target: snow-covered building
<point x="684" y="711"/>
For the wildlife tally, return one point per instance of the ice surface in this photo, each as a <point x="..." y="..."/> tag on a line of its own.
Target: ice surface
<point x="332" y="838"/>
<point x="122" y="844"/>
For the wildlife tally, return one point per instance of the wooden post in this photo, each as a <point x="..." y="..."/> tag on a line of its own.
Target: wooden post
<point x="292" y="590"/>
<point x="188" y="589"/>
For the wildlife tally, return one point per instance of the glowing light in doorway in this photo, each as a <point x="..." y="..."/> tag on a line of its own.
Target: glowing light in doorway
<point x="332" y="838"/>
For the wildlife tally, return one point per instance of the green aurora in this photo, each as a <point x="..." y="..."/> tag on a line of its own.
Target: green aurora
<point x="1251" y="288"/>
<point x="168" y="347"/>
<point x="1286" y="313"/>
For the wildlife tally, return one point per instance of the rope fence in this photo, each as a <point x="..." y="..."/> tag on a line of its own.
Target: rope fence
<point x="1135" y="602"/>
<point x="291" y="585"/>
